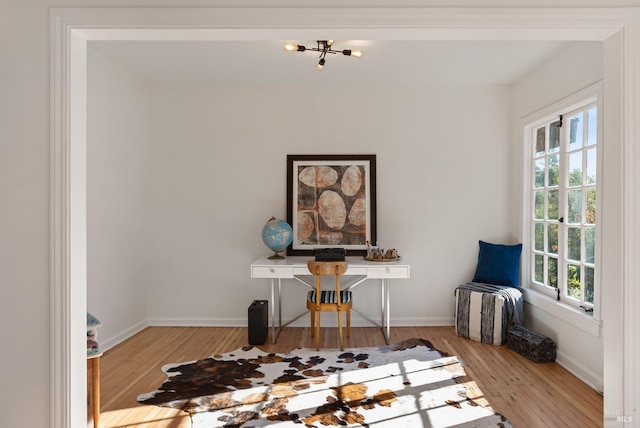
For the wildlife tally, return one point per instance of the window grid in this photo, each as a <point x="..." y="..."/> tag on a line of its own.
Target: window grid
<point x="563" y="200"/>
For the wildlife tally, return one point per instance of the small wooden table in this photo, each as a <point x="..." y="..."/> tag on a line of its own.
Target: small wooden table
<point x="93" y="365"/>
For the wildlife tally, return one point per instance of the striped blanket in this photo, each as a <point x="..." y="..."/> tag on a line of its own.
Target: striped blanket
<point x="485" y="312"/>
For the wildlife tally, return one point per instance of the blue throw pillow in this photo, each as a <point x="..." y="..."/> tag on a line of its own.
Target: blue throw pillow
<point x="498" y="264"/>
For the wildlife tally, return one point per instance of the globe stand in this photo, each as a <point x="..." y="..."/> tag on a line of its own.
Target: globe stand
<point x="276" y="256"/>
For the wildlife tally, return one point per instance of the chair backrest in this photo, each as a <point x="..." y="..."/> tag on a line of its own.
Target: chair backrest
<point x="327" y="268"/>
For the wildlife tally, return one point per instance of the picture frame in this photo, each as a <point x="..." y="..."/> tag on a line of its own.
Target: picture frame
<point x="331" y="202"/>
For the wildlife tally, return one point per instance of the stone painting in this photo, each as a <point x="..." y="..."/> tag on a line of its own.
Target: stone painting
<point x="332" y="203"/>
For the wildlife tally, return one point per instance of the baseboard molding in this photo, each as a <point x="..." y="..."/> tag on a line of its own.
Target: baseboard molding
<point x="423" y="322"/>
<point x="580" y="371"/>
<point x="329" y="320"/>
<point x="110" y="342"/>
<point x="197" y="322"/>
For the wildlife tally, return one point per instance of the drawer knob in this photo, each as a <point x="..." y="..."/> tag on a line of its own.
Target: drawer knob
<point x="272" y="270"/>
<point x="387" y="270"/>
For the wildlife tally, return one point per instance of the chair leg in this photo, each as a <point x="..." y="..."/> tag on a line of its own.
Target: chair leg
<point x="348" y="323"/>
<point x="340" y="329"/>
<point x="318" y="331"/>
<point x="313" y="322"/>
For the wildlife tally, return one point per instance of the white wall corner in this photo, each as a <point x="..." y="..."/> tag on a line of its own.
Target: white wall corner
<point x="120" y="337"/>
<point x="580" y="371"/>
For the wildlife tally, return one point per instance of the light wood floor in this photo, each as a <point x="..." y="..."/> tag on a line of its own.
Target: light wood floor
<point x="526" y="393"/>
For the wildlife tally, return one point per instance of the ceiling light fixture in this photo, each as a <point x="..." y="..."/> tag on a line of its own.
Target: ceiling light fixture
<point x="324" y="47"/>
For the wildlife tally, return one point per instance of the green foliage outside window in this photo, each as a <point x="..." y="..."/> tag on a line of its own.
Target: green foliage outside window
<point x="573" y="281"/>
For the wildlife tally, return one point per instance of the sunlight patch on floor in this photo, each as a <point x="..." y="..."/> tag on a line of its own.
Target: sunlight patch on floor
<point x="143" y="417"/>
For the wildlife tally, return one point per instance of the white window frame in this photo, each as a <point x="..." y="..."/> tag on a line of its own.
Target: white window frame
<point x="541" y="296"/>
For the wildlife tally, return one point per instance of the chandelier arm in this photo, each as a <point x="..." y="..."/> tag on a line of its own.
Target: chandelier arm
<point x="324" y="47"/>
<point x="331" y="51"/>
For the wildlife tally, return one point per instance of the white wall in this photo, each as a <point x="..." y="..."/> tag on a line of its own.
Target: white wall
<point x="570" y="70"/>
<point x="117" y="199"/>
<point x="217" y="172"/>
<point x="24" y="215"/>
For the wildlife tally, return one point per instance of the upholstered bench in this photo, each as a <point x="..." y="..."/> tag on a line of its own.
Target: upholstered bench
<point x="530" y="344"/>
<point x="484" y="312"/>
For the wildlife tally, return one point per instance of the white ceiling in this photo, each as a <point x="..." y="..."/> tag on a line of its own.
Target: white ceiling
<point x="266" y="62"/>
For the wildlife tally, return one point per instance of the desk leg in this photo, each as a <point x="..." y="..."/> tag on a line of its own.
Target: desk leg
<point x="382" y="306"/>
<point x="274" y="335"/>
<point x="384" y="316"/>
<point x="273" y="311"/>
<point x="388" y="317"/>
<point x="279" y="306"/>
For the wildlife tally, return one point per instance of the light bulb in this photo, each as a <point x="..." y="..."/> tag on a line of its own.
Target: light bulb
<point x="356" y="53"/>
<point x="290" y="47"/>
<point x="320" y="65"/>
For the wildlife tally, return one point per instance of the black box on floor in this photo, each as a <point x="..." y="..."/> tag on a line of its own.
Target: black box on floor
<point x="530" y="344"/>
<point x="258" y="322"/>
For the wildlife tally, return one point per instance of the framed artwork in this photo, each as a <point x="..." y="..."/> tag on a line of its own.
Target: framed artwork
<point x="331" y="202"/>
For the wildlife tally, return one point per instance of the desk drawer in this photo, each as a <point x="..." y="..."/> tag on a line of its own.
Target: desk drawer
<point x="388" y="272"/>
<point x="351" y="271"/>
<point x="271" y="271"/>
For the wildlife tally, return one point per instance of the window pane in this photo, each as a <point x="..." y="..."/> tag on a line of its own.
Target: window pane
<point x="538" y="266"/>
<point x="573" y="281"/>
<point x="552" y="209"/>
<point x="592" y="127"/>
<point x="575" y="169"/>
<point x="554" y="137"/>
<point x="590" y="215"/>
<point x="591" y="166"/>
<point x="552" y="269"/>
<point x="552" y="236"/>
<point x="539" y="237"/>
<point x="539" y="205"/>
<point x="575" y="206"/>
<point x="575" y="131"/>
<point x="589" y="275"/>
<point x="573" y="243"/>
<point x="590" y="245"/>
<point x="554" y="170"/>
<point x="539" y="180"/>
<point x="540" y="134"/>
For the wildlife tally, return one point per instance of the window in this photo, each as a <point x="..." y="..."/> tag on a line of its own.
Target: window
<point x="561" y="207"/>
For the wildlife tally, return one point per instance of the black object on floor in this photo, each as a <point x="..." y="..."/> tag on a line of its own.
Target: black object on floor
<point x="258" y="322"/>
<point x="530" y="344"/>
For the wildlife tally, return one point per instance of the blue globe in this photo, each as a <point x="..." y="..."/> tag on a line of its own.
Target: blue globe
<point x="277" y="236"/>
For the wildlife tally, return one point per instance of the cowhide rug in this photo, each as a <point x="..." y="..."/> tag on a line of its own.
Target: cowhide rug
<point x="409" y="384"/>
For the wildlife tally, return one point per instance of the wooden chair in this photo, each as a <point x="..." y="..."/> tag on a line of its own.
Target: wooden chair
<point x="333" y="301"/>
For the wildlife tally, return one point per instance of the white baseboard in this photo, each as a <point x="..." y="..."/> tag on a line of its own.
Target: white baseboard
<point x="423" y="322"/>
<point x="328" y="320"/>
<point x="580" y="371"/>
<point x="197" y="322"/>
<point x="106" y="344"/>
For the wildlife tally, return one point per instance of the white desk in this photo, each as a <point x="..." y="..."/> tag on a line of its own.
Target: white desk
<point x="296" y="268"/>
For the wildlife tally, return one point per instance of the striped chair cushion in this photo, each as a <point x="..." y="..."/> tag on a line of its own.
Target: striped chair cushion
<point x="329" y="296"/>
